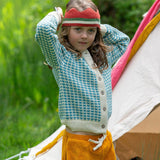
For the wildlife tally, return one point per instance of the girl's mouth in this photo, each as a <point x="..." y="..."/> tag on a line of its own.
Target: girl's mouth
<point x="82" y="42"/>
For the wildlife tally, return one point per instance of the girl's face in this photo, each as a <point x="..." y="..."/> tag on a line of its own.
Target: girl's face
<point x="81" y="37"/>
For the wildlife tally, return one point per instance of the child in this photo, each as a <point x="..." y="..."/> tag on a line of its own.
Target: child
<point x="81" y="59"/>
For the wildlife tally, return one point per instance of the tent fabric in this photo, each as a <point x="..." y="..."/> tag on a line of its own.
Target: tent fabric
<point x="40" y="152"/>
<point x="51" y="144"/>
<point x="138" y="90"/>
<point x="143" y="36"/>
<point x="118" y="69"/>
<point x="143" y="140"/>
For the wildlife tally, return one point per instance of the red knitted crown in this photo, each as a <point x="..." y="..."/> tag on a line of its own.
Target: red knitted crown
<point x="88" y="17"/>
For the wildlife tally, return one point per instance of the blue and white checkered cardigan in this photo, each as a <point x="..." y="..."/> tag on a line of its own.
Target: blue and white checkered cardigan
<point x="85" y="94"/>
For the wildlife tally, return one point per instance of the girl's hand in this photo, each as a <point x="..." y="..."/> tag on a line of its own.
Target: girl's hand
<point x="60" y="13"/>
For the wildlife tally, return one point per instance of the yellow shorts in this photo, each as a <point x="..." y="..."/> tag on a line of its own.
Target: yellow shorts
<point x="77" y="147"/>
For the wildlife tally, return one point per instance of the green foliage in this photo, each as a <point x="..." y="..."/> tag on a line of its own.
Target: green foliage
<point x="21" y="58"/>
<point x="29" y="94"/>
<point x="122" y="14"/>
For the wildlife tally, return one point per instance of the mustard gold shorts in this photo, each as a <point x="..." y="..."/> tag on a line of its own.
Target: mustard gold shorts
<point x="78" y="147"/>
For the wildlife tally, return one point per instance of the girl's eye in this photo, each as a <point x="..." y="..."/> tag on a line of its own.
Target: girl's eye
<point x="77" y="29"/>
<point x="92" y="30"/>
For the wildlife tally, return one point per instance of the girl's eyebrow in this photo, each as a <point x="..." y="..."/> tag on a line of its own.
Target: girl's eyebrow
<point x="76" y="27"/>
<point x="93" y="28"/>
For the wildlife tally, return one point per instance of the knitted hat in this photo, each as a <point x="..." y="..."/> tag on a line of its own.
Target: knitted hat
<point x="88" y="17"/>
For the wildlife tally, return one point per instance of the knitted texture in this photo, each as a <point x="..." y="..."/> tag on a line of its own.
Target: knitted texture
<point x="85" y="95"/>
<point x="88" y="17"/>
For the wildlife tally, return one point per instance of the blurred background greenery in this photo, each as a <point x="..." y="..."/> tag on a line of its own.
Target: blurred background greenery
<point x="28" y="91"/>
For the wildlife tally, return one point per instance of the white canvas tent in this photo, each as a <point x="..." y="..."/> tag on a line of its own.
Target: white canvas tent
<point x="143" y="140"/>
<point x="134" y="96"/>
<point x="138" y="91"/>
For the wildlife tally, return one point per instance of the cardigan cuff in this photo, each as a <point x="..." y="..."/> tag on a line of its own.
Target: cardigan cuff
<point x="56" y="15"/>
<point x="103" y="29"/>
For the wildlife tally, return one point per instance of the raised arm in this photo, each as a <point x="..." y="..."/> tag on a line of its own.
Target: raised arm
<point x="116" y="39"/>
<point x="48" y="40"/>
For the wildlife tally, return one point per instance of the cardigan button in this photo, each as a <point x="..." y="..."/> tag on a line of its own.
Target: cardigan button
<point x="102" y="92"/>
<point x="103" y="126"/>
<point x="104" y="108"/>
<point x="94" y="65"/>
<point x="99" y="78"/>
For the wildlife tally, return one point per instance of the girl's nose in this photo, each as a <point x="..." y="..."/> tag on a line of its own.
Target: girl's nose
<point x="84" y="35"/>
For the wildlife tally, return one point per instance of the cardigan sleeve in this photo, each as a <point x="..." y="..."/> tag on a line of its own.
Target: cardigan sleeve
<point x="48" y="40"/>
<point x="116" y="40"/>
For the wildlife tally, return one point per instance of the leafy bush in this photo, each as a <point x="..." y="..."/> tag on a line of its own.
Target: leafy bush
<point x="28" y="92"/>
<point x="122" y="14"/>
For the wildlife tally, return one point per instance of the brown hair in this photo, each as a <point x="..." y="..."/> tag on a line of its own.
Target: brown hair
<point x="97" y="50"/>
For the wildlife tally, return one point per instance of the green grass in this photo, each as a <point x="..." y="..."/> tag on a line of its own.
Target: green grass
<point x="24" y="128"/>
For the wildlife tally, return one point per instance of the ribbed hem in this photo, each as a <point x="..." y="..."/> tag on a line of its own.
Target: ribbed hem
<point x="85" y="126"/>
